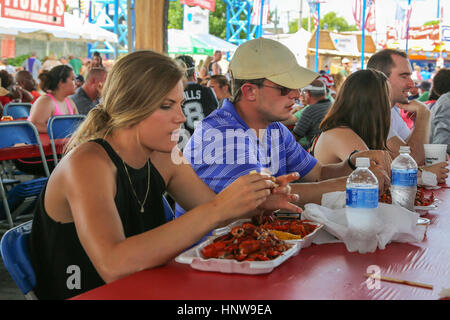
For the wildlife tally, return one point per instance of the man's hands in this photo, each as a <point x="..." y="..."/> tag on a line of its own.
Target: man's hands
<point x="439" y="169"/>
<point x="377" y="157"/>
<point x="281" y="196"/>
<point x="413" y="108"/>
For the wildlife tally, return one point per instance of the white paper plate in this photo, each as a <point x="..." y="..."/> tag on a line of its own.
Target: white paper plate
<point x="194" y="258"/>
<point x="432" y="187"/>
<point x="425" y="208"/>
<point x="304" y="242"/>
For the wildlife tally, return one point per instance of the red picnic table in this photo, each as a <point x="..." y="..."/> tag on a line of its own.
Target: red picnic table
<point x="30" y="151"/>
<point x="325" y="271"/>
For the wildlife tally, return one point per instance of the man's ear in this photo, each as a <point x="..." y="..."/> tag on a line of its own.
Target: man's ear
<point x="249" y="91"/>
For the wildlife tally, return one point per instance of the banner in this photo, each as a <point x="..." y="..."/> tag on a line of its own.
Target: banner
<point x="196" y="20"/>
<point x="402" y="16"/>
<point x="416" y="33"/>
<point x="313" y="9"/>
<point x="346" y="44"/>
<point x="370" y="22"/>
<point x="41" y="11"/>
<point x="256" y="12"/>
<point x="205" y="4"/>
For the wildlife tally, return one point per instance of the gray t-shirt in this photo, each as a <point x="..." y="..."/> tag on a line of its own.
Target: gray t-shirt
<point x="440" y="121"/>
<point x="308" y="124"/>
<point x="83" y="102"/>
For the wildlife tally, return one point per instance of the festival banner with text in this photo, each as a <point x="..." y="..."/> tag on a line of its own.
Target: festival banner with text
<point x="42" y="11"/>
<point x="205" y="4"/>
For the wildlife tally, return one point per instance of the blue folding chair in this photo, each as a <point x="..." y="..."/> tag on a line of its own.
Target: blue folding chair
<point x="61" y="127"/>
<point x="14" y="132"/>
<point x="17" y="110"/>
<point x="15" y="255"/>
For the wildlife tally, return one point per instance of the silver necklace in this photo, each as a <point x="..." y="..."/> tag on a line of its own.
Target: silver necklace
<point x="132" y="188"/>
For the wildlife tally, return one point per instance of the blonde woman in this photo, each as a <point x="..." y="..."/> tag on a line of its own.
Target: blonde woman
<point x="204" y="70"/>
<point x="101" y="213"/>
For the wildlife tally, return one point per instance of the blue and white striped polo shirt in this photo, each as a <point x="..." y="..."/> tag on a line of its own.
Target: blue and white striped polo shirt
<point x="223" y="148"/>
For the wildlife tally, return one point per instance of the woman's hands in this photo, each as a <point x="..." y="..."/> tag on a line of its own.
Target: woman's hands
<point x="243" y="196"/>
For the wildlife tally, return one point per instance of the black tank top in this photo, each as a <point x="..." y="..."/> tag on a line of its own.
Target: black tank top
<point x="55" y="250"/>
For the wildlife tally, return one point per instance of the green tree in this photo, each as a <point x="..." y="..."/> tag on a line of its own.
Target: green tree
<point x="218" y="20"/>
<point x="431" y="23"/>
<point x="331" y="20"/>
<point x="175" y="15"/>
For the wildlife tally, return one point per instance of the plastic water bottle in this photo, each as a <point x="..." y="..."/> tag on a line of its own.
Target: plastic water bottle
<point x="404" y="179"/>
<point x="362" y="199"/>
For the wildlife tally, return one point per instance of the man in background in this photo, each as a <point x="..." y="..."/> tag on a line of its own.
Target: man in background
<point x="424" y="91"/>
<point x="33" y="65"/>
<point x="25" y="80"/>
<point x="200" y="100"/>
<point x="346" y="67"/>
<point x="87" y="96"/>
<point x="308" y="124"/>
<point x="76" y="64"/>
<point x="395" y="65"/>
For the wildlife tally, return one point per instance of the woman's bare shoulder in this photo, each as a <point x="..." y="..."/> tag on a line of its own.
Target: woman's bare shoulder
<point x="339" y="131"/>
<point x="43" y="99"/>
<point x="88" y="158"/>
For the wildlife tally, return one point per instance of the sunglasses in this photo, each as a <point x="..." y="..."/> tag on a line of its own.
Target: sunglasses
<point x="283" y="90"/>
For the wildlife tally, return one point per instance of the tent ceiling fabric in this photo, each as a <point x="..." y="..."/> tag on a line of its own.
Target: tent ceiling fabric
<point x="74" y="29"/>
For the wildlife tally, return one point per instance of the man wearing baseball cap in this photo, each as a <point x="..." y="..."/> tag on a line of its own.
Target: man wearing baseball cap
<point x="308" y="124"/>
<point x="246" y="133"/>
<point x="346" y="67"/>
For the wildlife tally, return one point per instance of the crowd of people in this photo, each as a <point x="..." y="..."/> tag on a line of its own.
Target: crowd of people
<point x="53" y="86"/>
<point x="102" y="207"/>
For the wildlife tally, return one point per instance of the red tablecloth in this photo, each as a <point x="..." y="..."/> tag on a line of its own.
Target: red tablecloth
<point x="319" y="272"/>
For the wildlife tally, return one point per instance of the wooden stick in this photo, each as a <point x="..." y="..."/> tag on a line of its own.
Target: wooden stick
<point x="409" y="283"/>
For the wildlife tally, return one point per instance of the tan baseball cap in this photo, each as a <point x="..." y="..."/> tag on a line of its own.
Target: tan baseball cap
<point x="270" y="59"/>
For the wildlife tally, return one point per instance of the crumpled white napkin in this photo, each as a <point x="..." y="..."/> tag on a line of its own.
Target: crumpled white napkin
<point x="428" y="179"/>
<point x="395" y="224"/>
<point x="445" y="293"/>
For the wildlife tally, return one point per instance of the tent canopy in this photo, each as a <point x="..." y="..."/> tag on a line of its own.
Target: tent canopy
<point x="74" y="29"/>
<point x="217" y="43"/>
<point x="296" y="42"/>
<point x="184" y="42"/>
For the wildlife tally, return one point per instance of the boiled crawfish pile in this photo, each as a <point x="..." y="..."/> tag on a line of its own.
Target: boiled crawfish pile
<point x="295" y="226"/>
<point x="420" y="199"/>
<point x="247" y="242"/>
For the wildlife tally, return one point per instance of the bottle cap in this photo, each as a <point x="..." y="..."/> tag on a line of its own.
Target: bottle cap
<point x="362" y="162"/>
<point x="405" y="149"/>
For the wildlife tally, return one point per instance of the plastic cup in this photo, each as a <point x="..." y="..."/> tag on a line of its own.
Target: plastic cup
<point x="435" y="153"/>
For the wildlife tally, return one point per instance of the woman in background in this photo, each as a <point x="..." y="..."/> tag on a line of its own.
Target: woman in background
<point x="58" y="84"/>
<point x="359" y="119"/>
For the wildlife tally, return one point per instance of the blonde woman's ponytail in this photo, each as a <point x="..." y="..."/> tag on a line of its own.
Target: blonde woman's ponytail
<point x="96" y="125"/>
